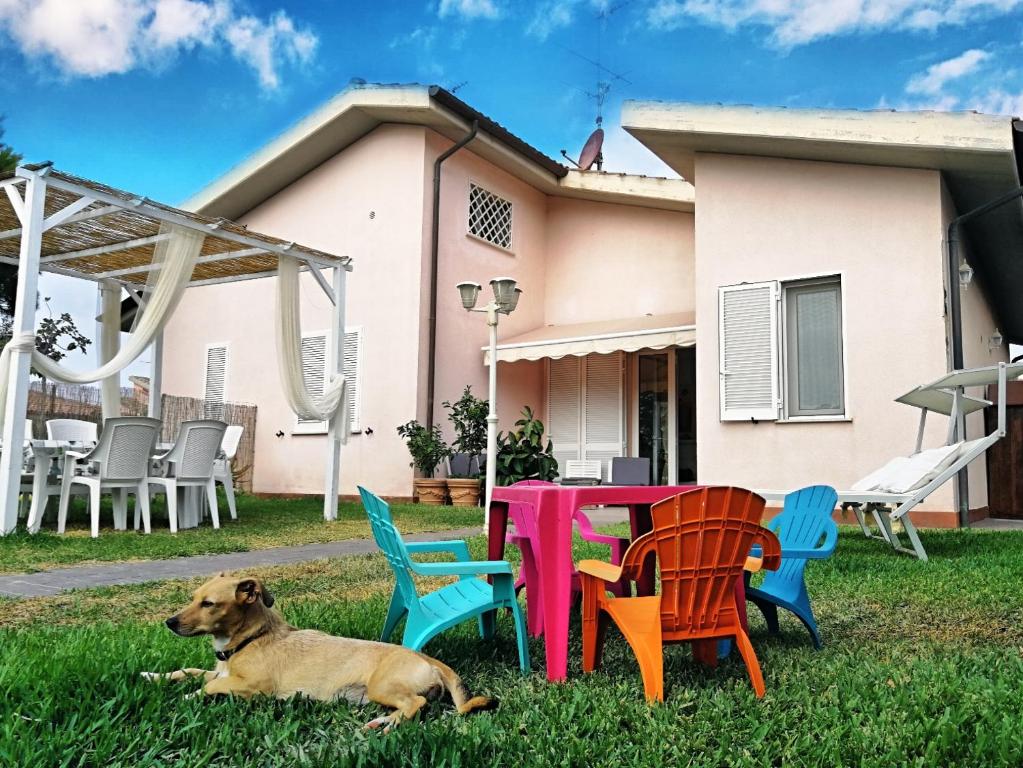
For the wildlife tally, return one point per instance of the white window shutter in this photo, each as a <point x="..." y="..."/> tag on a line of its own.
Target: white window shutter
<point x="748" y="347"/>
<point x="215" y="385"/>
<point x="563" y="408"/>
<point x="603" y="423"/>
<point x="314" y="371"/>
<point x="352" y="362"/>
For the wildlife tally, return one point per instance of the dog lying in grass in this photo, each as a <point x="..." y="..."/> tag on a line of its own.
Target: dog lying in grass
<point x="259" y="653"/>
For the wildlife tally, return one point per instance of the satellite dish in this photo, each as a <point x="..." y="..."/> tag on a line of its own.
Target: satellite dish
<point x="591" y="150"/>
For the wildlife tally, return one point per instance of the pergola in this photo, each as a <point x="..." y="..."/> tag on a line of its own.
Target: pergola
<point x="55" y="222"/>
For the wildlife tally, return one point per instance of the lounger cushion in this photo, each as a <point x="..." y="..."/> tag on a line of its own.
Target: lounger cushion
<point x="921" y="468"/>
<point x="904" y="474"/>
<point x="874" y="480"/>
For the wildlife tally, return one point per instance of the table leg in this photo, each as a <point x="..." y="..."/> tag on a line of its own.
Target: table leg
<point x="555" y="528"/>
<point x="39" y="497"/>
<point x="640" y="522"/>
<point x="498" y="530"/>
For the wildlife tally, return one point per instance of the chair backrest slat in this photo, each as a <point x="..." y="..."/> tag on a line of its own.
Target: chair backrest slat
<point x="805" y="522"/>
<point x="196" y="447"/>
<point x="232" y="437"/>
<point x="390" y="543"/>
<point x="72" y="430"/>
<point x="630" y="470"/>
<point x="702" y="538"/>
<point x="125" y="447"/>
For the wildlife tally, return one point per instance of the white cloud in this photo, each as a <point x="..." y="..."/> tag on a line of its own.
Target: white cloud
<point x="421" y="42"/>
<point x="796" y="22"/>
<point x="550" y="16"/>
<point x="469" y="9"/>
<point x="969" y="81"/>
<point x="94" y="38"/>
<point x="933" y="80"/>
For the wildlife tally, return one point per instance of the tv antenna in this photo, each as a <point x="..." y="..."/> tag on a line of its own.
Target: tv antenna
<point x="591" y="153"/>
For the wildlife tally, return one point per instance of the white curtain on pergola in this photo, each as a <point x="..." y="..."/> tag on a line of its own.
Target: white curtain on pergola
<point x="54" y="222"/>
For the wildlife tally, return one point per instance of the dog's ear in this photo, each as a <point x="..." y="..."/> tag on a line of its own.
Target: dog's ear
<point x="248" y="591"/>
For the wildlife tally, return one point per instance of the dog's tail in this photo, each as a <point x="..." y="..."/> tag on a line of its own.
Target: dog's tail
<point x="464" y="703"/>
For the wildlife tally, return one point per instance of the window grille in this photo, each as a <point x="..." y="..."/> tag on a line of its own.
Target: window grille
<point x="490" y="217"/>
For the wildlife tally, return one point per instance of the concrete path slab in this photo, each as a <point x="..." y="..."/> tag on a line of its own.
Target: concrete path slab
<point x="94" y="575"/>
<point x="105" y="575"/>
<point x="998" y="524"/>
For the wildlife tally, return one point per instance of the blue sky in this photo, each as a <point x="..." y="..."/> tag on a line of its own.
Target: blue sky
<point x="161" y="96"/>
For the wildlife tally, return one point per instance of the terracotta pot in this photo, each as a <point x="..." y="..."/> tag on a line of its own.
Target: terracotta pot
<point x="464" y="491"/>
<point x="430" y="491"/>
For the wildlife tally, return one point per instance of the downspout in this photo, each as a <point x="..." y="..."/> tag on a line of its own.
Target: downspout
<point x="956" y="320"/>
<point x="431" y="364"/>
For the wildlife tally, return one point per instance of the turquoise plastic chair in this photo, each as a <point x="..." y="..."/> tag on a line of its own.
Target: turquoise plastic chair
<point x="380" y="514"/>
<point x="806" y="532"/>
<point x="469" y="597"/>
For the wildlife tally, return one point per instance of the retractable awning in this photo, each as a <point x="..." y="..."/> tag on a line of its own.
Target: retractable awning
<point x="601" y="338"/>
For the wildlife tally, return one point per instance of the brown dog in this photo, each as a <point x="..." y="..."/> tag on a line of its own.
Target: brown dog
<point x="258" y="652"/>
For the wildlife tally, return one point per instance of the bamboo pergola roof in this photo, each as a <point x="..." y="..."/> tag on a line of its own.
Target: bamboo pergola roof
<point x="97" y="232"/>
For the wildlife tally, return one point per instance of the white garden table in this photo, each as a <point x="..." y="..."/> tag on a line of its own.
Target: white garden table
<point x="43" y="453"/>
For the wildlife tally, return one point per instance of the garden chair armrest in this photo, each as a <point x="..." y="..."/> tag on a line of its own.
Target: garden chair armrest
<point x="604" y="538"/>
<point x="601" y="570"/>
<point x="456" y="547"/>
<point x="471" y="568"/>
<point x="75" y="455"/>
<point x="804" y="554"/>
<point x="769" y="549"/>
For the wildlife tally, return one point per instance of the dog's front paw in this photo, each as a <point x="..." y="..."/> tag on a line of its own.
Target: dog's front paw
<point x="387" y="721"/>
<point x="193" y="694"/>
<point x="151" y="676"/>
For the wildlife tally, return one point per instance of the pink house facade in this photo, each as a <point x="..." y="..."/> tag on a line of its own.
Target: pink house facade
<point x="636" y="290"/>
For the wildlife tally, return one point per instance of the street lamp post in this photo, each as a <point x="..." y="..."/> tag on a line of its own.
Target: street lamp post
<point x="506" y="298"/>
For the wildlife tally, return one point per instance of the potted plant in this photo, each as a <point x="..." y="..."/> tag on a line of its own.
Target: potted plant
<point x="428" y="450"/>
<point x="468" y="415"/>
<point x="521" y="454"/>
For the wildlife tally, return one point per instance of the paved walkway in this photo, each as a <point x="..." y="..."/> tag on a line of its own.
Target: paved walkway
<point x="110" y="574"/>
<point x="998" y="524"/>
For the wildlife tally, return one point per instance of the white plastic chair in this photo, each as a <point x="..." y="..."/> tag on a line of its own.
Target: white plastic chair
<point x="191" y="459"/>
<point x="120" y="461"/>
<point x="581" y="472"/>
<point x="72" y="430"/>
<point x="223" y="471"/>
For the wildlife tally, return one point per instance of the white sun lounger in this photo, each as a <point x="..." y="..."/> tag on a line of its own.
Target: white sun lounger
<point x="889" y="493"/>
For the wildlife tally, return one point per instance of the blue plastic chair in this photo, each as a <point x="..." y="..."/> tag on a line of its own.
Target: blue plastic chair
<point x="469" y="597"/>
<point x="379" y="514"/>
<point x="806" y="532"/>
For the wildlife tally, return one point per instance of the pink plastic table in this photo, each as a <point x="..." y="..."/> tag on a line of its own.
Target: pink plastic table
<point x="554" y="506"/>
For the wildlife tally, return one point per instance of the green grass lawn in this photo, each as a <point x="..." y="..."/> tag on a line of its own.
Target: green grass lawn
<point x="921" y="666"/>
<point x="261" y="523"/>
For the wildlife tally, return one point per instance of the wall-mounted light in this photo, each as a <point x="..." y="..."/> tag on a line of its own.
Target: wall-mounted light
<point x="996" y="340"/>
<point x="965" y="274"/>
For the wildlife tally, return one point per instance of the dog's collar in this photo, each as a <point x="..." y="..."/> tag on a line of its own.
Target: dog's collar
<point x="226" y="654"/>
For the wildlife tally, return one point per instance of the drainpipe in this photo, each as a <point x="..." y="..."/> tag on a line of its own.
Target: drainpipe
<point x="956" y="319"/>
<point x="434" y="247"/>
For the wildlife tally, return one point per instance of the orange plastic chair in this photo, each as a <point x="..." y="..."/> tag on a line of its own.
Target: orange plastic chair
<point x="701" y="540"/>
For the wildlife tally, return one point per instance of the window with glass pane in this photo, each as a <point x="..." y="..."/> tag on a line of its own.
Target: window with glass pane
<point x="813" y="331"/>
